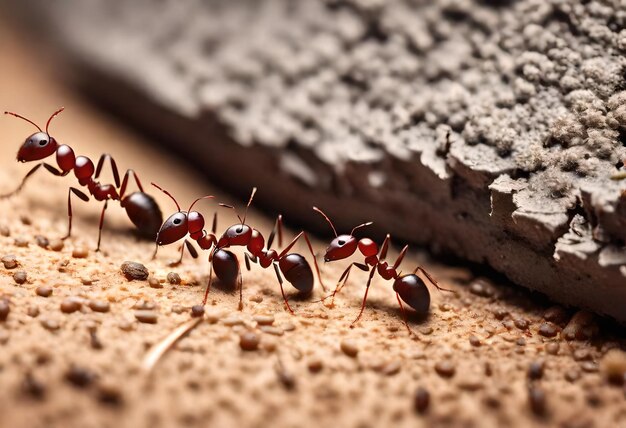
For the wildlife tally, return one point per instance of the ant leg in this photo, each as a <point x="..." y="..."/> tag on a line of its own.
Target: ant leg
<point x="404" y="316"/>
<point x="104" y="208"/>
<point x="384" y="247"/>
<point x="192" y="251"/>
<point x="308" y="243"/>
<point x="367" y="289"/>
<point x="50" y="168"/>
<point x="282" y="291"/>
<point x="344" y="277"/>
<point x="125" y="182"/>
<point x="208" y="287"/>
<point x="116" y="174"/>
<point x="240" y="307"/>
<point x="400" y="257"/>
<point x="156" y="250"/>
<point x="278" y="227"/>
<point x="431" y="279"/>
<point x="82" y="196"/>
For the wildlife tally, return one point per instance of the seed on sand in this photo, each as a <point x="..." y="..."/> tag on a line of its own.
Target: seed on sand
<point x="249" y="341"/>
<point x="174" y="278"/>
<point x="80" y="253"/>
<point x="57" y="245"/>
<point x="70" y="305"/>
<point x="43" y="291"/>
<point x="99" y="306"/>
<point x="9" y="261"/>
<point x="134" y="271"/>
<point x="20" y="277"/>
<point x="146" y="316"/>
<point x="349" y="347"/>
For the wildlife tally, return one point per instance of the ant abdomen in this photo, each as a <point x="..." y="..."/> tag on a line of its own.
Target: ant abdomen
<point x="297" y="271"/>
<point x="144" y="212"/>
<point x="413" y="292"/>
<point x="226" y="267"/>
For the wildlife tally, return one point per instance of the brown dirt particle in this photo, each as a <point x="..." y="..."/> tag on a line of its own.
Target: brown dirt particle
<point x="154" y="283"/>
<point x="421" y="400"/>
<point x="134" y="270"/>
<point x="5" y="309"/>
<point x="99" y="305"/>
<point x="391" y="368"/>
<point x="32" y="311"/>
<point x="9" y="261"/>
<point x="500" y="313"/>
<point x="521" y="323"/>
<point x="249" y="341"/>
<point x="80" y="253"/>
<point x="315" y="365"/>
<point x="174" y="278"/>
<point x="482" y="288"/>
<point x="589" y="366"/>
<point x="445" y="368"/>
<point x="57" y="245"/>
<point x="21" y="242"/>
<point x="42" y="241"/>
<point x="349" y="347"/>
<point x="26" y="221"/>
<point x="572" y="375"/>
<point x="43" y="291"/>
<point x="70" y="305"/>
<point x="79" y="377"/>
<point x="535" y="370"/>
<point x="110" y="394"/>
<point x="474" y="341"/>
<point x="50" y="324"/>
<point x="264" y="319"/>
<point x="146" y="316"/>
<point x="33" y="387"/>
<point x="4" y="230"/>
<point x="582" y="326"/>
<point x="547" y="329"/>
<point x="613" y="366"/>
<point x="556" y="315"/>
<point x="537" y="400"/>
<point x="197" y="311"/>
<point x="275" y="331"/>
<point x="20" y="277"/>
<point x="552" y="348"/>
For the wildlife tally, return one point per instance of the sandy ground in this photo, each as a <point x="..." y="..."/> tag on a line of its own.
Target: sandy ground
<point x="479" y="356"/>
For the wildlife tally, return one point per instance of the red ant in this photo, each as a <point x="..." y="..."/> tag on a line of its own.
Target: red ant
<point x="293" y="266"/>
<point x="409" y="288"/>
<point x="141" y="208"/>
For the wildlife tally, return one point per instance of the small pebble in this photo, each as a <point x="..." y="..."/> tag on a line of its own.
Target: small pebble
<point x="79" y="377"/>
<point x="4" y="230"/>
<point x="249" y="341"/>
<point x="50" y="324"/>
<point x="445" y="368"/>
<point x="110" y="394"/>
<point x="391" y="368"/>
<point x="500" y="313"/>
<point x="9" y="262"/>
<point x="56" y="245"/>
<point x="20" y="277"/>
<point x="521" y="323"/>
<point x="537" y="400"/>
<point x="582" y="355"/>
<point x="232" y="320"/>
<point x="482" y="288"/>
<point x="26" y="221"/>
<point x="474" y="341"/>
<point x="177" y="309"/>
<point x="572" y="375"/>
<point x="149" y="305"/>
<point x="21" y="242"/>
<point x="133" y="270"/>
<point x="315" y="365"/>
<point x="276" y="331"/>
<point x="154" y="283"/>
<point x="613" y="366"/>
<point x="582" y="326"/>
<point x="43" y="291"/>
<point x="32" y="311"/>
<point x="556" y="315"/>
<point x="535" y="370"/>
<point x="589" y="366"/>
<point x="552" y="348"/>
<point x="547" y="329"/>
<point x="197" y="311"/>
<point x="422" y="400"/>
<point x="5" y="309"/>
<point x="33" y="387"/>
<point x="42" y="241"/>
<point x="70" y="305"/>
<point x="349" y="347"/>
<point x="99" y="305"/>
<point x="146" y="316"/>
<point x="173" y="278"/>
<point x="264" y="319"/>
<point x="80" y="253"/>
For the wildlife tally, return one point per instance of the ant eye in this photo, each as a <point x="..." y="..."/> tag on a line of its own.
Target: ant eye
<point x="239" y="229"/>
<point x="341" y="242"/>
<point x="43" y="142"/>
<point x="177" y="221"/>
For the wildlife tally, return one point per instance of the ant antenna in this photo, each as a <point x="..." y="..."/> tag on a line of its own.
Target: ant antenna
<point x="369" y="223"/>
<point x="327" y="219"/>
<point x="23" y="118"/>
<point x="199" y="199"/>
<point x="168" y="194"/>
<point x="232" y="208"/>
<point x="248" y="206"/>
<point x="52" y="117"/>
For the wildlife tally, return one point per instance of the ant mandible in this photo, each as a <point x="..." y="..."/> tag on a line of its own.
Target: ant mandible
<point x="140" y="207"/>
<point x="292" y="266"/>
<point x="408" y="288"/>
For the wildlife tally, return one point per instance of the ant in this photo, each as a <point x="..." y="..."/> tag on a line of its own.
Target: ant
<point x="408" y="288"/>
<point x="294" y="267"/>
<point x="140" y="207"/>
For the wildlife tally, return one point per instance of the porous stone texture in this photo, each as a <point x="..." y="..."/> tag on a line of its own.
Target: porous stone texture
<point x="488" y="129"/>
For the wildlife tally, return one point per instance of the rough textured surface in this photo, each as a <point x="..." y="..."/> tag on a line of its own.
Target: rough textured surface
<point x="485" y="356"/>
<point x="486" y="129"/>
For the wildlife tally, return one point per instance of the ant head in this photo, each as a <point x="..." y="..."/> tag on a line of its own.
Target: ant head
<point x="39" y="145"/>
<point x="174" y="228"/>
<point x="342" y="247"/>
<point x="238" y="234"/>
